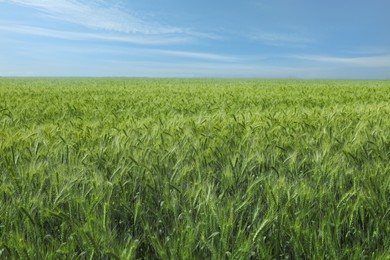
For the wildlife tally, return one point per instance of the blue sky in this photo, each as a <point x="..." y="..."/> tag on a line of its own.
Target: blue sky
<point x="204" y="38"/>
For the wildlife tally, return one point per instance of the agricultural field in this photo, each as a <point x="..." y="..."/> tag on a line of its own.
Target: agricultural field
<point x="194" y="168"/>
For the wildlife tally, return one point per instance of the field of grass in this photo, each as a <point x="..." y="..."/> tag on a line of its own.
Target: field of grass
<point x="192" y="169"/>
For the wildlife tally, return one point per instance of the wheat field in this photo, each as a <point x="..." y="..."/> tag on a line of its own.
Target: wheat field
<point x="106" y="168"/>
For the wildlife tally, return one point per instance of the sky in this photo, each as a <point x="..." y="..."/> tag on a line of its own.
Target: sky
<point x="308" y="39"/>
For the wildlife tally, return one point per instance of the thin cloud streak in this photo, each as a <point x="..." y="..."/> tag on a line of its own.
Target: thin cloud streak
<point x="160" y="53"/>
<point x="367" y="61"/>
<point x="197" y="55"/>
<point x="83" y="36"/>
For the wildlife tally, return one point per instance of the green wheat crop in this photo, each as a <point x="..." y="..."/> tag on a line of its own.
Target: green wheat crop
<point x="194" y="169"/>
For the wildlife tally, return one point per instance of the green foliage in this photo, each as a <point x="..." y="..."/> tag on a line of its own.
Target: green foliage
<point x="192" y="169"/>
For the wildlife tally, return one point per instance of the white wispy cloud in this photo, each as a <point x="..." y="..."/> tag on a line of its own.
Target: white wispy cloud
<point x="369" y="51"/>
<point x="120" y="51"/>
<point x="362" y="61"/>
<point x="197" y="55"/>
<point x="163" y="53"/>
<point x="159" y="53"/>
<point x="96" y="36"/>
<point x="97" y="15"/>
